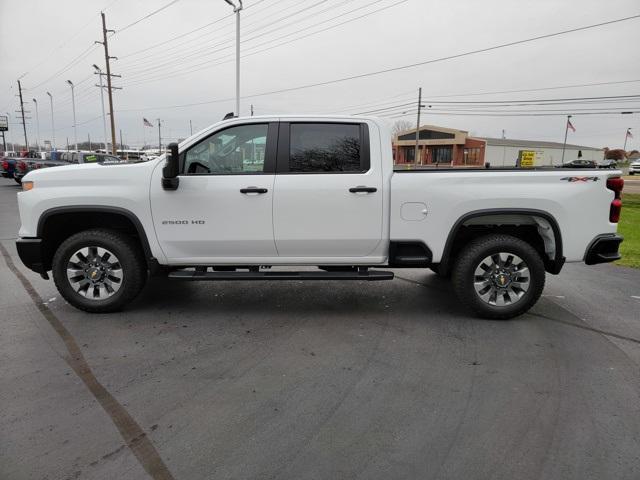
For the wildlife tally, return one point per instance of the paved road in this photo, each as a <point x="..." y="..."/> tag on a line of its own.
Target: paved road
<point x="316" y="381"/>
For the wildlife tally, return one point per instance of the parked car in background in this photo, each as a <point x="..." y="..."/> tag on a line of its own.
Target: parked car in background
<point x="22" y="166"/>
<point x="634" y="167"/>
<point x="7" y="166"/>
<point x="89" y="157"/>
<point x="608" y="164"/>
<point x="580" y="164"/>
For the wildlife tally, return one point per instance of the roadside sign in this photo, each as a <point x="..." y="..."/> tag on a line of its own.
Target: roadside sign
<point x="527" y="158"/>
<point x="4" y="123"/>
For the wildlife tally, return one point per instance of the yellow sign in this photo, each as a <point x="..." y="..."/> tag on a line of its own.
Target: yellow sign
<point x="527" y="158"/>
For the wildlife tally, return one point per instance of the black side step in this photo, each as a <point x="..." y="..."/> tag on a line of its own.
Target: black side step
<point x="369" y="275"/>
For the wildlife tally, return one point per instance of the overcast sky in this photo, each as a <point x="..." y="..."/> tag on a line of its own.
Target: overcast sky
<point x="41" y="39"/>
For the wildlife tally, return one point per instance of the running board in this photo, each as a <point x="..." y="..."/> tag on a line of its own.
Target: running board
<point x="370" y="275"/>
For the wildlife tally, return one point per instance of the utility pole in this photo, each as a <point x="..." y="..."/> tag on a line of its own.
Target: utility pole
<point x="121" y="144"/>
<point x="35" y="102"/>
<point x="566" y="132"/>
<point x="89" y="138"/>
<point x="53" y="127"/>
<point x="417" y="151"/>
<point x="24" y="126"/>
<point x="252" y="109"/>
<point x="159" y="139"/>
<point x="105" y="44"/>
<point x="190" y="128"/>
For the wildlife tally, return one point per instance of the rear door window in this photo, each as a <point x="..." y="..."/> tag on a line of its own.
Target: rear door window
<point x="325" y="148"/>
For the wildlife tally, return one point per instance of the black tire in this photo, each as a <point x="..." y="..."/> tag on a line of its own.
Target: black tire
<point x="470" y="259"/>
<point x="131" y="261"/>
<point x="18" y="180"/>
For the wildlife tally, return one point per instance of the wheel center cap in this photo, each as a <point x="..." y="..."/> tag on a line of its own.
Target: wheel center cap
<point x="94" y="274"/>
<point x="502" y="279"/>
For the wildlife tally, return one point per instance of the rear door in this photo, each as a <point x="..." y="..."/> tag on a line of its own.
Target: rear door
<point x="328" y="195"/>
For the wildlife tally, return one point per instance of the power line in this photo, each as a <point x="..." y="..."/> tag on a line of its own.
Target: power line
<point x="149" y="15"/>
<point x="206" y="65"/>
<point x="453" y="113"/>
<point x="169" y="61"/>
<point x="449" y="57"/>
<point x="205" y="51"/>
<point x="417" y="64"/>
<point x="185" y="34"/>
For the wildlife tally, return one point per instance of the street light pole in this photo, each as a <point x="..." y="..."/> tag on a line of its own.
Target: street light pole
<point x="236" y="10"/>
<point x="35" y="102"/>
<point x="73" y="105"/>
<point x="13" y="147"/>
<point x="104" y="117"/>
<point x="53" y="127"/>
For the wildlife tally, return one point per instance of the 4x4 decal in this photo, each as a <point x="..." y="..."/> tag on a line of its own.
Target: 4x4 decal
<point x="579" y="179"/>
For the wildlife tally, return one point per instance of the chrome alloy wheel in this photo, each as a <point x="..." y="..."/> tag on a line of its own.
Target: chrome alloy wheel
<point x="95" y="273"/>
<point x="502" y="279"/>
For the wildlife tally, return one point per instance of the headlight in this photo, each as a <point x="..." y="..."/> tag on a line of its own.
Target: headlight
<point x="26" y="186"/>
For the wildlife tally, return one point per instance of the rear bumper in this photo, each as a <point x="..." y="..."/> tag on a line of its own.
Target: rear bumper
<point x="31" y="254"/>
<point x="603" y="249"/>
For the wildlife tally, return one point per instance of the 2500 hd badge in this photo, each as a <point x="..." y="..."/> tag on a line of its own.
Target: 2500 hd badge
<point x="183" y="222"/>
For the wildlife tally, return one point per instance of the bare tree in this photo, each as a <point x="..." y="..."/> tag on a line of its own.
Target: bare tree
<point x="401" y="126"/>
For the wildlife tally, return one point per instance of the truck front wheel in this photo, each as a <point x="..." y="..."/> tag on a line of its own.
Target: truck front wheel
<point x="99" y="270"/>
<point x="499" y="276"/>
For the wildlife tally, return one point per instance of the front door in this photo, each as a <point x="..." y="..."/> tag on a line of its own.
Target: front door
<point x="222" y="209"/>
<point x="328" y="192"/>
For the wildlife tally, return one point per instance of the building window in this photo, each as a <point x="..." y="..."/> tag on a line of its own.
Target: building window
<point x="441" y="154"/>
<point x="472" y="156"/>
<point x="410" y="155"/>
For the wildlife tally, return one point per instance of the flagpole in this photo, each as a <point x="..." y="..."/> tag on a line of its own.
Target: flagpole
<point x="566" y="131"/>
<point x="626" y="137"/>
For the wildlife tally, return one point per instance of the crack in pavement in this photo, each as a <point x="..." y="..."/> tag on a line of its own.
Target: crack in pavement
<point x="586" y="327"/>
<point x="133" y="435"/>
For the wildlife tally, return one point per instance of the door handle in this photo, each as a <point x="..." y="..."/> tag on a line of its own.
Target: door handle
<point x="362" y="189"/>
<point x="253" y="190"/>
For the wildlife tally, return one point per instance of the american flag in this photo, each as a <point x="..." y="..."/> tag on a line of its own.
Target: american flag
<point x="146" y="122"/>
<point x="570" y="125"/>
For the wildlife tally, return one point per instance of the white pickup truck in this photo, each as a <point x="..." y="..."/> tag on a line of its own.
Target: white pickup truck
<point x="249" y="194"/>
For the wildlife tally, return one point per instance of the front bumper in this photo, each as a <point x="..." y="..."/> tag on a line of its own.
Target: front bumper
<point x="603" y="249"/>
<point x="30" y="251"/>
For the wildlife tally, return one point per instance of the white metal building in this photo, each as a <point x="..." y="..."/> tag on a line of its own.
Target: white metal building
<point x="505" y="152"/>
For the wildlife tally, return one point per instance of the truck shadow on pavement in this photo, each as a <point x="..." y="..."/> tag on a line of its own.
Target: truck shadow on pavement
<point x="422" y="293"/>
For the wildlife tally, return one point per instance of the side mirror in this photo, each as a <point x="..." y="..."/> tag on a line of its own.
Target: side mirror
<point x="170" y="180"/>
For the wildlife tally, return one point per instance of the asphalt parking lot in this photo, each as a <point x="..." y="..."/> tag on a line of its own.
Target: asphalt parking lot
<point x="293" y="380"/>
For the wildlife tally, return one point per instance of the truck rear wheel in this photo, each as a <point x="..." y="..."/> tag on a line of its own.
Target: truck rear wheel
<point x="99" y="270"/>
<point x="499" y="276"/>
